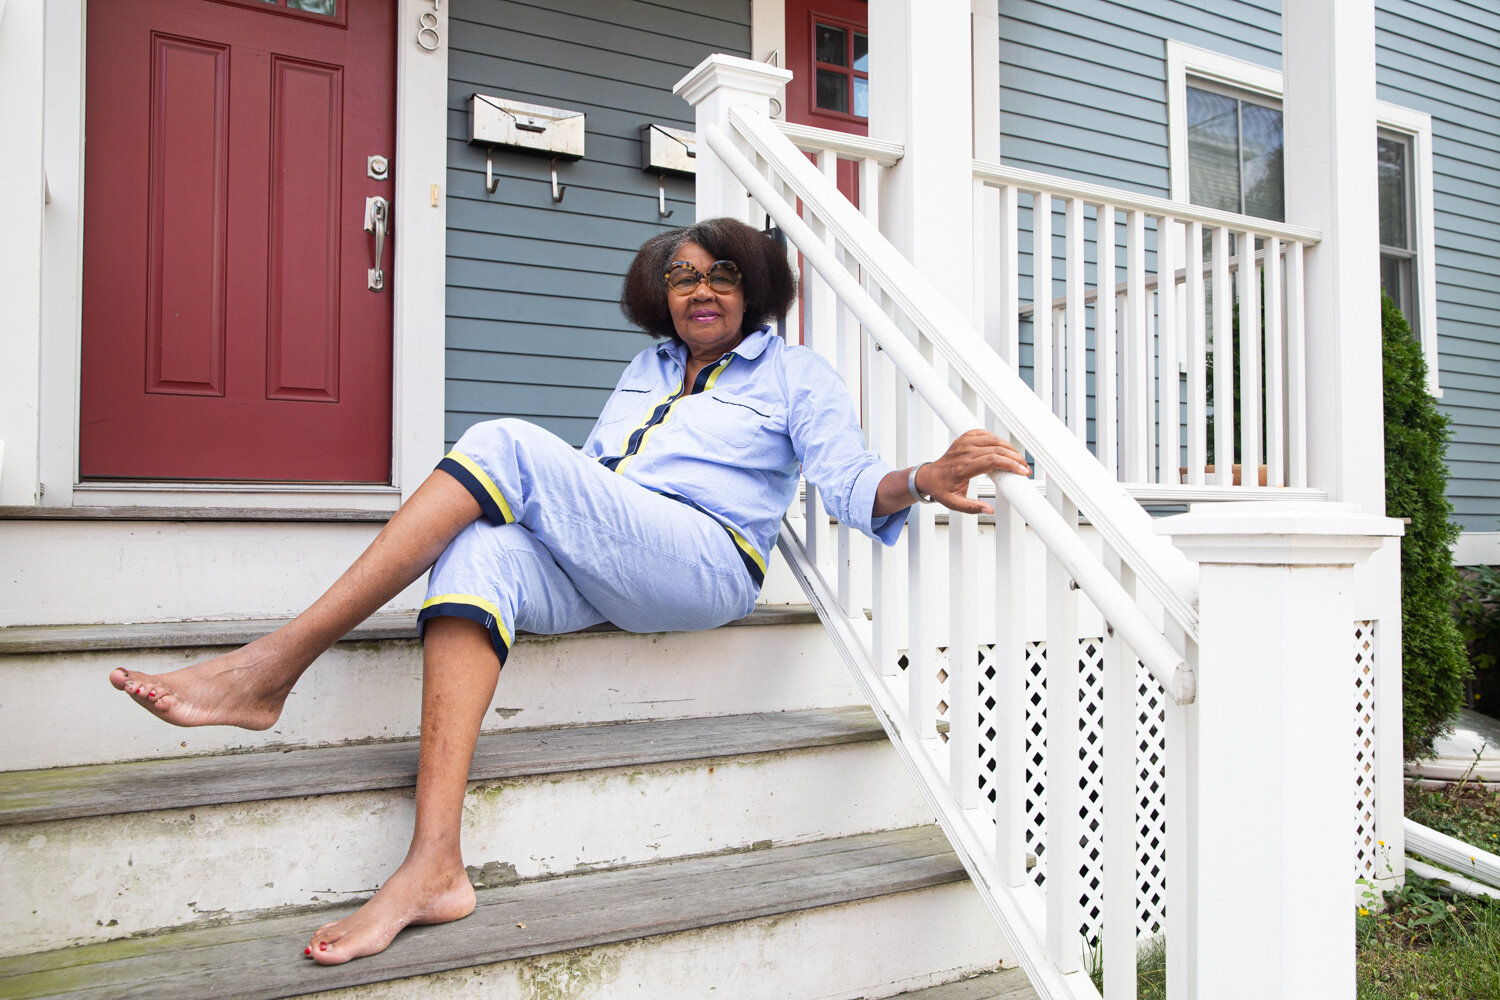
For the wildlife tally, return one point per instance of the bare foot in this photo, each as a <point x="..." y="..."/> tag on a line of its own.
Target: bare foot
<point x="245" y="688"/>
<point x="418" y="893"/>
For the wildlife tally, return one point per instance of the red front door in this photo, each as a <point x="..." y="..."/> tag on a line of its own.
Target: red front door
<point x="827" y="50"/>
<point x="229" y="332"/>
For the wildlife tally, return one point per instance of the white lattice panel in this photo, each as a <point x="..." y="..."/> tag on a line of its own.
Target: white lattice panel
<point x="1368" y="862"/>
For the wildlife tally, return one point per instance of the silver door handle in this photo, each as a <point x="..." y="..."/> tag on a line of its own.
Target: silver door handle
<point x="377" y="221"/>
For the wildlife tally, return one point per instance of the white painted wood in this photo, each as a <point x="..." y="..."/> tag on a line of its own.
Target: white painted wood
<point x="1248" y="289"/>
<point x="1289" y="564"/>
<point x="1223" y="357"/>
<point x="1168" y="419"/>
<point x="1418" y="126"/>
<point x="1329" y="123"/>
<point x="22" y="183"/>
<point x="1275" y="368"/>
<point x="1467" y="859"/>
<point x="1081" y="563"/>
<point x="712" y="87"/>
<point x="1296" y="363"/>
<point x="1123" y="200"/>
<point x="811" y="139"/>
<point x="1009" y="713"/>
<point x="1135" y="391"/>
<point x="1184" y="910"/>
<point x="1077" y="320"/>
<point x="1008" y="286"/>
<point x="1042" y="350"/>
<point x="963" y="659"/>
<point x="1119" y="935"/>
<point x="1064" y="911"/>
<point x="1197" y="359"/>
<point x="1106" y="392"/>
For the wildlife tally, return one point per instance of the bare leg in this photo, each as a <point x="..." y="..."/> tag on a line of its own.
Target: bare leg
<point x="247" y="687"/>
<point x="459" y="670"/>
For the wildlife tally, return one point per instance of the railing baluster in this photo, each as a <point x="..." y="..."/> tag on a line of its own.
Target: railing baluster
<point x="1275" y="370"/>
<point x="1169" y="415"/>
<point x="1008" y="284"/>
<point x="1008" y="689"/>
<point x="1106" y="428"/>
<point x="1223" y="356"/>
<point x="1064" y="911"/>
<point x="1197" y="357"/>
<point x="963" y="643"/>
<point x="922" y="603"/>
<point x="1249" y="356"/>
<point x="1182" y="777"/>
<point x="1296" y="364"/>
<point x="1077" y="320"/>
<point x="846" y="351"/>
<point x="1135" y="393"/>
<point x="1118" y="933"/>
<point x="1041" y="297"/>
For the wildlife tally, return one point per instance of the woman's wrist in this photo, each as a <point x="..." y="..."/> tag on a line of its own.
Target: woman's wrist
<point x="918" y="495"/>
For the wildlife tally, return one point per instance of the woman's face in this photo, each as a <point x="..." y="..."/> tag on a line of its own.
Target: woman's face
<point x="706" y="320"/>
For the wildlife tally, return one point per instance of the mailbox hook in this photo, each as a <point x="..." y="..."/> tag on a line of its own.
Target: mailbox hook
<point x="661" y="197"/>
<point x="558" y="190"/>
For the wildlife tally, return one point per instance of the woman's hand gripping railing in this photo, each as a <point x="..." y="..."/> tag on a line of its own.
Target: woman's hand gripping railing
<point x="1166" y="664"/>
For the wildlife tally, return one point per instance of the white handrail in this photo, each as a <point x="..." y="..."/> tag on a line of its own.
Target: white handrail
<point x="1124" y="524"/>
<point x="1095" y="194"/>
<point x="811" y="139"/>
<point x="1166" y="664"/>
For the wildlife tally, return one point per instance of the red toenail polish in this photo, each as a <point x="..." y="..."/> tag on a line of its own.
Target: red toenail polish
<point x="323" y="946"/>
<point x="307" y="950"/>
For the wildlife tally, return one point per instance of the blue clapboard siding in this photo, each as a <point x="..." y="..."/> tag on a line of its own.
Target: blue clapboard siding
<point x="1441" y="57"/>
<point x="534" y="329"/>
<point x="1083" y="94"/>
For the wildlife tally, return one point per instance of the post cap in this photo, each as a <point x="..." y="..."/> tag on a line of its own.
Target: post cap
<point x="719" y="71"/>
<point x="1279" y="533"/>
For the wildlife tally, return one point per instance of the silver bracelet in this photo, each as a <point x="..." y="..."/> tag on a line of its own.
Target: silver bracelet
<point x="917" y="496"/>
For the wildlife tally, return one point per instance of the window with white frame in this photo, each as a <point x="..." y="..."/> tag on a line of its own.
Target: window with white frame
<point x="1225" y="138"/>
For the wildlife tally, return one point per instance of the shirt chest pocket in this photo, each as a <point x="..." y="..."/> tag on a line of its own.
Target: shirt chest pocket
<point x="627" y="409"/>
<point x="734" y="420"/>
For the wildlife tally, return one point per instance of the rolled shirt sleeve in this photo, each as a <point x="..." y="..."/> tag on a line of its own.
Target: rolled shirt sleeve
<point x="826" y="435"/>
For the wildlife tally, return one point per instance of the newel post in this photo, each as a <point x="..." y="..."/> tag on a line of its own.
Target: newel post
<point x="1272" y="827"/>
<point x="712" y="87"/>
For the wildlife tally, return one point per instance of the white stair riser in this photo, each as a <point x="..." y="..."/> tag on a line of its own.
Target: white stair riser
<point x="83" y="572"/>
<point x="868" y="949"/>
<point x="371" y="690"/>
<point x="100" y="878"/>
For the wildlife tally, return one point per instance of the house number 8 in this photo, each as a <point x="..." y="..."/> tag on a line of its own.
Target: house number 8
<point x="427" y="30"/>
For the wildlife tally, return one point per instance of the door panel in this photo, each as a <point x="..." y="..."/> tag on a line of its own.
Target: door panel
<point x="228" y="333"/>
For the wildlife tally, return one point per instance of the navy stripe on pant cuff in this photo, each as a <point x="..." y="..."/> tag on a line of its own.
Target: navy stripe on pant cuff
<point x="469" y="611"/>
<point x="476" y="490"/>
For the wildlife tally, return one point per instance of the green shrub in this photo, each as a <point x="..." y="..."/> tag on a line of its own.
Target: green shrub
<point x="1434" y="665"/>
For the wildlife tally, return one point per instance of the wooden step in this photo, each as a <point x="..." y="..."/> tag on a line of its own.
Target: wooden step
<point x="19" y="639"/>
<point x="261" y="959"/>
<point x="1007" y="984"/>
<point x="143" y="786"/>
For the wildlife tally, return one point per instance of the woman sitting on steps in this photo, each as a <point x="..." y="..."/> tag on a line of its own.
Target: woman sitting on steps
<point x="663" y="522"/>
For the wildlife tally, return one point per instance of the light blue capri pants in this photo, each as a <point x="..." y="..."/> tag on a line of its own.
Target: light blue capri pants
<point x="564" y="543"/>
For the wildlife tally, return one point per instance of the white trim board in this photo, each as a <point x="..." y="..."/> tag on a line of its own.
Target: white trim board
<point x="1477" y="548"/>
<point x="420" y="164"/>
<point x="1185" y="60"/>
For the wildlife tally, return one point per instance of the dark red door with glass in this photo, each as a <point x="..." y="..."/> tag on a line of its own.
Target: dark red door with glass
<point x="828" y="52"/>
<point x="229" y="328"/>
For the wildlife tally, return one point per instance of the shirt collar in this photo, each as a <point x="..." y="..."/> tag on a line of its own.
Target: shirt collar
<point x="750" y="348"/>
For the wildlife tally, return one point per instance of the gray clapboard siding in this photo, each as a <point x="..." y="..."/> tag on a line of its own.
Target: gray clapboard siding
<point x="534" y="329"/>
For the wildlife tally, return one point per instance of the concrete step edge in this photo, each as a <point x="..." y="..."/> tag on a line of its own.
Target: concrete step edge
<point x="179" y="783"/>
<point x="257" y="959"/>
<point x="31" y="639"/>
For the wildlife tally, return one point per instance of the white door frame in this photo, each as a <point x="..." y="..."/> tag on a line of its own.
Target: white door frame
<point x="420" y="227"/>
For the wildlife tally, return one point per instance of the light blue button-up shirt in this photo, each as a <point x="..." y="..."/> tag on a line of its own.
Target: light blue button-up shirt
<point x="733" y="443"/>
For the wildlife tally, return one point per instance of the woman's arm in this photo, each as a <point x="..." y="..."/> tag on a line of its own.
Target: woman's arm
<point x="946" y="480"/>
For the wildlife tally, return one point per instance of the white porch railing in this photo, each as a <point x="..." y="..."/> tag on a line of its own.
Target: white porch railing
<point x="1137" y="376"/>
<point x="1017" y="670"/>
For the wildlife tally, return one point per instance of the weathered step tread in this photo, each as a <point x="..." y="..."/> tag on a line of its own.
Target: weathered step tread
<point x="1007" y="984"/>
<point x="17" y="639"/>
<point x="261" y="959"/>
<point x="185" y="782"/>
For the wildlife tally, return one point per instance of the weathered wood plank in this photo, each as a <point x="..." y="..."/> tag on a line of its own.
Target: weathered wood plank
<point x="261" y="959"/>
<point x="143" y="786"/>
<point x="1010" y="984"/>
<point x="189" y="514"/>
<point x="177" y="635"/>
